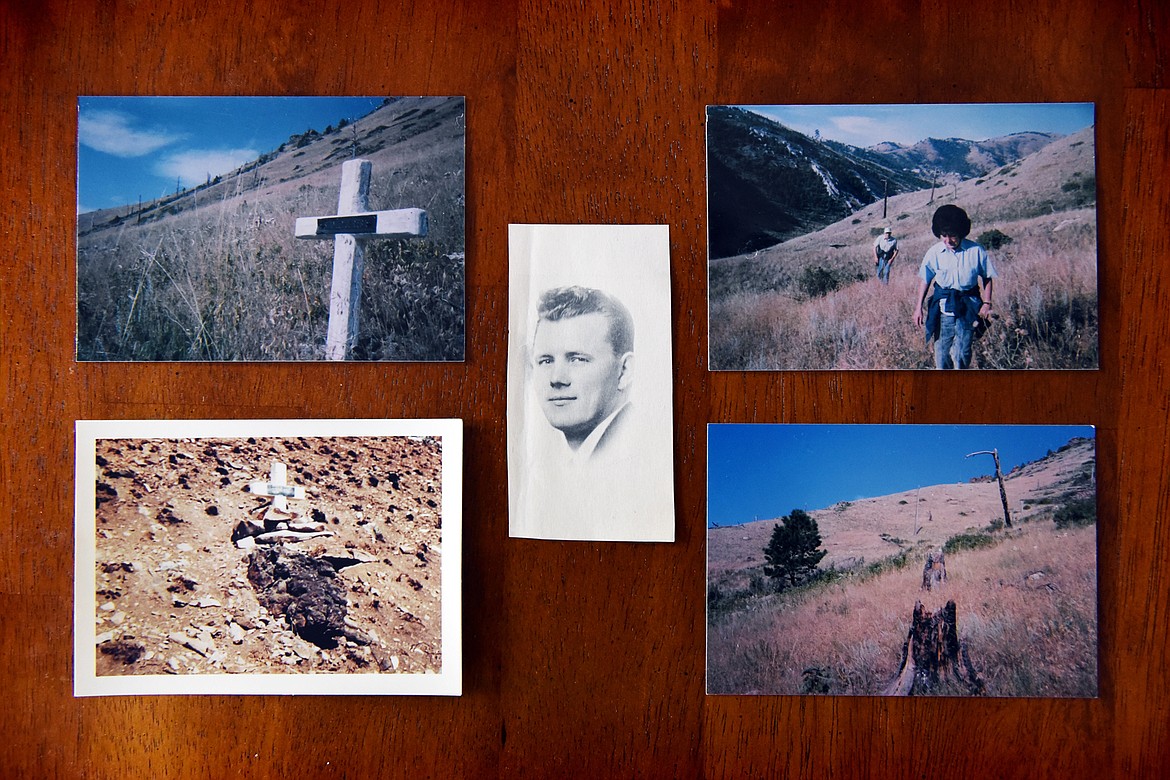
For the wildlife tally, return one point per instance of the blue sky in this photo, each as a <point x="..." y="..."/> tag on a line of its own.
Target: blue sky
<point x="139" y="147"/>
<point x="761" y="471"/>
<point x="866" y="125"/>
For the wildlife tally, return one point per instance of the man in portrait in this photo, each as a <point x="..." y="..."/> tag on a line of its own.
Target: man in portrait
<point x="590" y="445"/>
<point x="582" y="367"/>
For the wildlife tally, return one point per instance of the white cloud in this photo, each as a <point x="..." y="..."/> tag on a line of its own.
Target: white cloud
<point x="195" y="166"/>
<point x="111" y="132"/>
<point x="865" y="130"/>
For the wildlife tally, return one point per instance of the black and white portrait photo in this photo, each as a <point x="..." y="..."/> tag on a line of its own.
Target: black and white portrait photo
<point x="589" y="394"/>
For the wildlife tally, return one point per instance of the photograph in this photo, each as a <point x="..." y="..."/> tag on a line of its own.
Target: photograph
<point x="271" y="228"/>
<point x="918" y="236"/>
<point x="268" y="557"/>
<point x="590" y="416"/>
<point x="902" y="560"/>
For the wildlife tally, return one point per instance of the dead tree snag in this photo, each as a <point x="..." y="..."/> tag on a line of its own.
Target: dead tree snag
<point x="934" y="573"/>
<point x="932" y="652"/>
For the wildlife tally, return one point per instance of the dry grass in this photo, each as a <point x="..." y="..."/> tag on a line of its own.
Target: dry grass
<point x="764" y="314"/>
<point x="1027" y="604"/>
<point x="216" y="274"/>
<point x="1026" y="607"/>
<point x="1046" y="311"/>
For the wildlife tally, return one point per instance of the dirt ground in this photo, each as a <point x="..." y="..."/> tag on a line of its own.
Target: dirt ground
<point x="173" y="589"/>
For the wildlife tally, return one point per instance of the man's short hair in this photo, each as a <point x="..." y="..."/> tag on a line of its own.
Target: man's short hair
<point x="564" y="302"/>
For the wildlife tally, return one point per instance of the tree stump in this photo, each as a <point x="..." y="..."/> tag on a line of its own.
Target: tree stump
<point x="932" y="652"/>
<point x="935" y="571"/>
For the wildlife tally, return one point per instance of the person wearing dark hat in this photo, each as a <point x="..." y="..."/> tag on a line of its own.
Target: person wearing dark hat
<point x="885" y="250"/>
<point x="963" y="278"/>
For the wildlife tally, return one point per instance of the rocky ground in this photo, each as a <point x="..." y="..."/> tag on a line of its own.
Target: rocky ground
<point x="177" y="594"/>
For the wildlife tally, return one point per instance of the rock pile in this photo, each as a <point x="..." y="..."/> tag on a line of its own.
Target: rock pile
<point x="303" y="589"/>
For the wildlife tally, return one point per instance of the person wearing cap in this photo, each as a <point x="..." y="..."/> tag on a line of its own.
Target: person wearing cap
<point x="963" y="277"/>
<point x="885" y="249"/>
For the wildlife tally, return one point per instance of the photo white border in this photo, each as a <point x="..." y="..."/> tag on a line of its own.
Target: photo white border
<point x="86" y="682"/>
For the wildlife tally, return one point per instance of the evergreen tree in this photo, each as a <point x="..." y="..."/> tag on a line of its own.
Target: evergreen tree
<point x="793" y="551"/>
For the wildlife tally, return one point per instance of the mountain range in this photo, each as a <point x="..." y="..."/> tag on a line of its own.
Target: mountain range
<point x="768" y="183"/>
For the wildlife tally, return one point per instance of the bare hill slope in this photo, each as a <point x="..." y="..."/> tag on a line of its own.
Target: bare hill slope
<point x="215" y="273"/>
<point x="871" y="529"/>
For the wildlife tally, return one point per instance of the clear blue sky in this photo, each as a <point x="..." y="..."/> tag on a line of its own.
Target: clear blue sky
<point x="761" y="471"/>
<point x="866" y="125"/>
<point x="138" y="147"/>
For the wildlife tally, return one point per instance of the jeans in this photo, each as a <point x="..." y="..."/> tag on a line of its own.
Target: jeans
<point x="883" y="270"/>
<point x="952" y="348"/>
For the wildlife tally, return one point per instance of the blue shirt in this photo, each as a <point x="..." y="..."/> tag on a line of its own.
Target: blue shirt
<point x="958" y="269"/>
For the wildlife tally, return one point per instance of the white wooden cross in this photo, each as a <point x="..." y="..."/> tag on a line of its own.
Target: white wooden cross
<point x="277" y="487"/>
<point x="353" y="224"/>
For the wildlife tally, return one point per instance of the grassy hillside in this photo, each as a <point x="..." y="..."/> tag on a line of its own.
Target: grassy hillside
<point x="214" y="273"/>
<point x="1026" y="595"/>
<point x="812" y="302"/>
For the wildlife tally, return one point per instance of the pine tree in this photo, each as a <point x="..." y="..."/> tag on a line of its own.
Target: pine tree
<point x="793" y="551"/>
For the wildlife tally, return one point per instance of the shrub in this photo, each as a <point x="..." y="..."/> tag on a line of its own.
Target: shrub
<point x="816" y="679"/>
<point x="994" y="239"/>
<point x="1081" y="511"/>
<point x="968" y="541"/>
<point x="817" y="281"/>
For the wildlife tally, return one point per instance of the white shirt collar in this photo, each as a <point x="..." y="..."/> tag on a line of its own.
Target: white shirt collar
<point x="585" y="451"/>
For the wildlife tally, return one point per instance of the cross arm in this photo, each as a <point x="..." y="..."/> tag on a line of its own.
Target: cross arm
<point x="396" y="223"/>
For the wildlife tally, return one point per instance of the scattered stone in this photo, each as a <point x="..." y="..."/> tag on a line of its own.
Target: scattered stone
<point x="303" y="649"/>
<point x="201" y="646"/>
<point x="107" y="607"/>
<point x="236" y="633"/>
<point x="272" y="537"/>
<point x="101" y="639"/>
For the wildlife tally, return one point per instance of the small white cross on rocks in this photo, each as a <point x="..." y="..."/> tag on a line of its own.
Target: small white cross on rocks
<point x="277" y="487"/>
<point x="353" y="224"/>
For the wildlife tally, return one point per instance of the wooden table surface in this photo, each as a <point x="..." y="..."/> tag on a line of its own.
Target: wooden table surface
<point x="582" y="659"/>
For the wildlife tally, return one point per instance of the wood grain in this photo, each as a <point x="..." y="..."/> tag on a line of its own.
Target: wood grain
<point x="582" y="659"/>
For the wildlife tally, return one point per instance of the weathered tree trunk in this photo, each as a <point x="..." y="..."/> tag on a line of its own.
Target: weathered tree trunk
<point x="935" y="571"/>
<point x="932" y="652"/>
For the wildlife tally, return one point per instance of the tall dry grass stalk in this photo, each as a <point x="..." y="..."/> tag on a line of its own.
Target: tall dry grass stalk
<point x="1027" y="612"/>
<point x="228" y="281"/>
<point x="1045" y="297"/>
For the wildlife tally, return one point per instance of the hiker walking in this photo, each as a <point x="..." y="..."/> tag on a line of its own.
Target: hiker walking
<point x="885" y="249"/>
<point x="963" y="276"/>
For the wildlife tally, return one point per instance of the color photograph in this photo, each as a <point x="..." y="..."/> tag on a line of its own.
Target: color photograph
<point x="902" y="560"/>
<point x="270" y="228"/>
<point x="902" y="237"/>
<point x="268" y="557"/>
